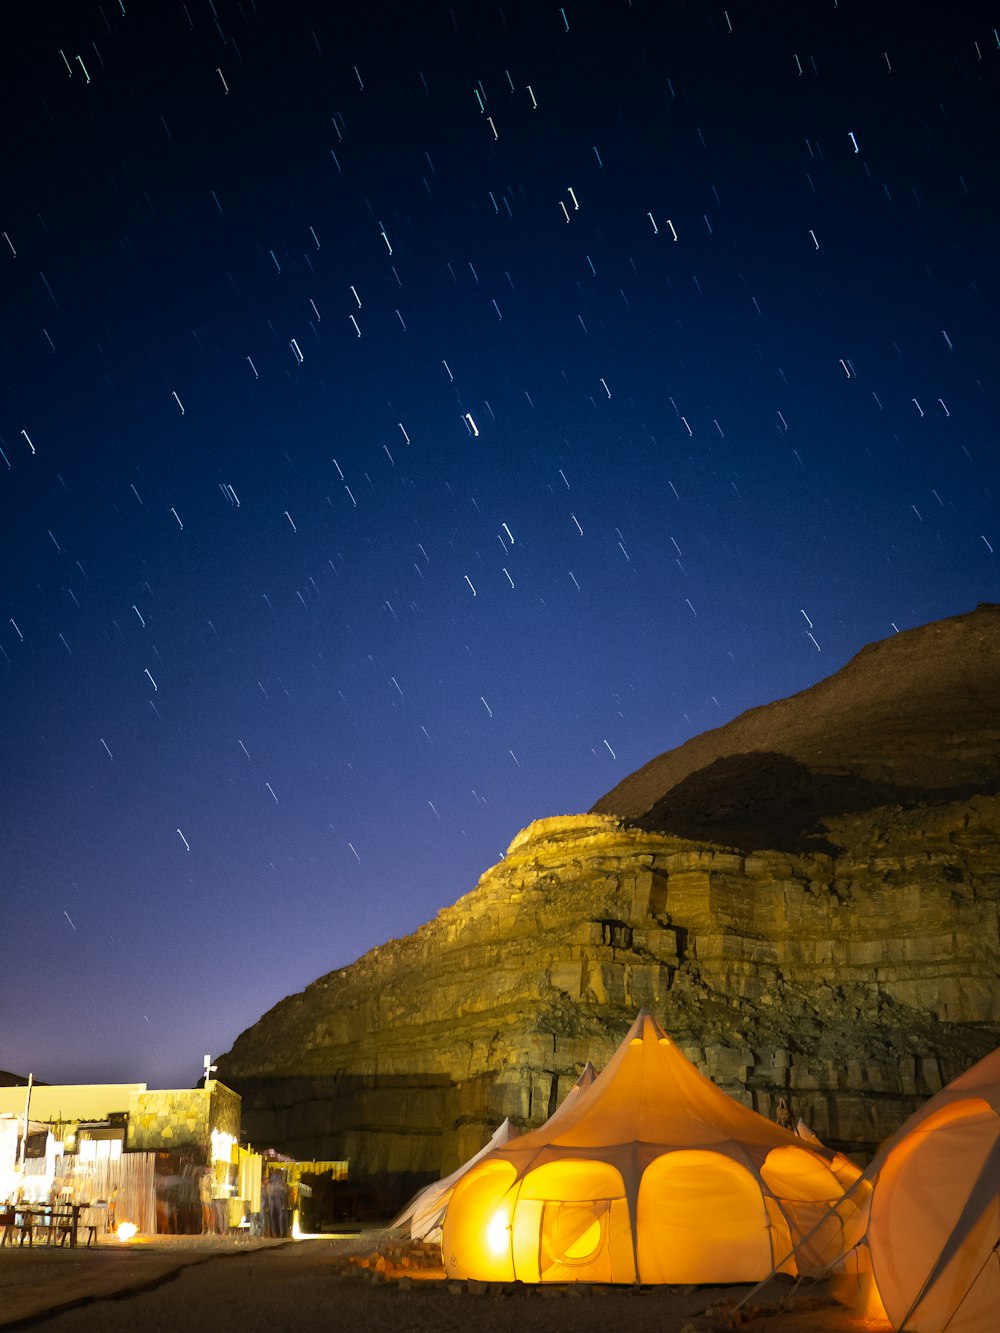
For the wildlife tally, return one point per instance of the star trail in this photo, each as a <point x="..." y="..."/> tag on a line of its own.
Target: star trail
<point x="414" y="418"/>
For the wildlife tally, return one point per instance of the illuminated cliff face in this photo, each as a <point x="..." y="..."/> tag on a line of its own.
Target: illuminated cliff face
<point x="849" y="984"/>
<point x="843" y="951"/>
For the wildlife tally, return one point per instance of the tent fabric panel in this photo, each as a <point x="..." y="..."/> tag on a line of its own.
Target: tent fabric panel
<point x="932" y="1186"/>
<point x="429" y="1210"/>
<point x="526" y="1158"/>
<point x="799" y="1174"/>
<point x="523" y="1163"/>
<point x="848" y="1173"/>
<point x="809" y="1192"/>
<point x="477" y="1225"/>
<point x="571" y="1224"/>
<point x="823" y="1234"/>
<point x="570" y="1179"/>
<point x="783" y="1244"/>
<point x="701" y="1219"/>
<point x="621" y="1245"/>
<point x="966" y="1297"/>
<point x="525" y="1239"/>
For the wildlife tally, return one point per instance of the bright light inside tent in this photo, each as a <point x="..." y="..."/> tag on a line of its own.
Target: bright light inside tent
<point x="126" y="1230"/>
<point x="498" y="1233"/>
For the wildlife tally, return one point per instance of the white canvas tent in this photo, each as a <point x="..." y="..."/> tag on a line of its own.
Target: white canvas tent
<point x="652" y="1174"/>
<point x="934" y="1215"/>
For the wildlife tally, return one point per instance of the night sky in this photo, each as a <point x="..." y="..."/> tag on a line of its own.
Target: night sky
<point x="411" y="424"/>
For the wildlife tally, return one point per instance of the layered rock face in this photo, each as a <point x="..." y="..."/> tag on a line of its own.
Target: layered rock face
<point x="847" y="960"/>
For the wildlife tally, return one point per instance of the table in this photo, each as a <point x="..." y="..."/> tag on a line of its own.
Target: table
<point x="64" y="1218"/>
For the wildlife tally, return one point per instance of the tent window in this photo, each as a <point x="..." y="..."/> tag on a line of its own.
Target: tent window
<point x="574" y="1233"/>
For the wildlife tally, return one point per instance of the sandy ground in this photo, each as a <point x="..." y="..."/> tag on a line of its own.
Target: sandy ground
<point x="340" y="1284"/>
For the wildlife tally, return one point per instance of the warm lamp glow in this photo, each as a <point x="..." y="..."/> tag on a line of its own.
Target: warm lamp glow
<point x="859" y="1291"/>
<point x="872" y="1306"/>
<point x="126" y="1230"/>
<point x="222" y="1146"/>
<point x="498" y="1232"/>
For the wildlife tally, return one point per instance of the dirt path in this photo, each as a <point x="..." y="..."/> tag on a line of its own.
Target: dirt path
<point x="312" y="1285"/>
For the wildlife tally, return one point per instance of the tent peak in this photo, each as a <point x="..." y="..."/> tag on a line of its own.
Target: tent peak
<point x="644" y="1029"/>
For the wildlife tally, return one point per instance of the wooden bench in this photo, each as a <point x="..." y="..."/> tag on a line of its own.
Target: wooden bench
<point x="66" y="1232"/>
<point x="91" y="1228"/>
<point x="69" y="1229"/>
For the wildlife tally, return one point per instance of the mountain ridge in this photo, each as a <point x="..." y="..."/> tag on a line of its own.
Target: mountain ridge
<point x="894" y="726"/>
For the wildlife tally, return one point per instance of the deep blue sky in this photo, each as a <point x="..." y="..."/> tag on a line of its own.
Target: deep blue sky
<point x="287" y="659"/>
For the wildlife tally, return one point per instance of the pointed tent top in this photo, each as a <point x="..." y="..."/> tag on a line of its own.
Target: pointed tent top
<point x="650" y="1093"/>
<point x="646" y="1029"/>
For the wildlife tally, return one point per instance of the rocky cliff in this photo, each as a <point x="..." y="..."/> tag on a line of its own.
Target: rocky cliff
<point x="808" y="899"/>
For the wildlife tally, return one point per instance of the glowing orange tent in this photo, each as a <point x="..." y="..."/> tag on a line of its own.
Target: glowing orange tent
<point x="934" y="1224"/>
<point x="652" y="1174"/>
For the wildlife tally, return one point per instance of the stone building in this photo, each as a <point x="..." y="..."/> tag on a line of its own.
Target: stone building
<point x="107" y="1119"/>
<point x="145" y="1147"/>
